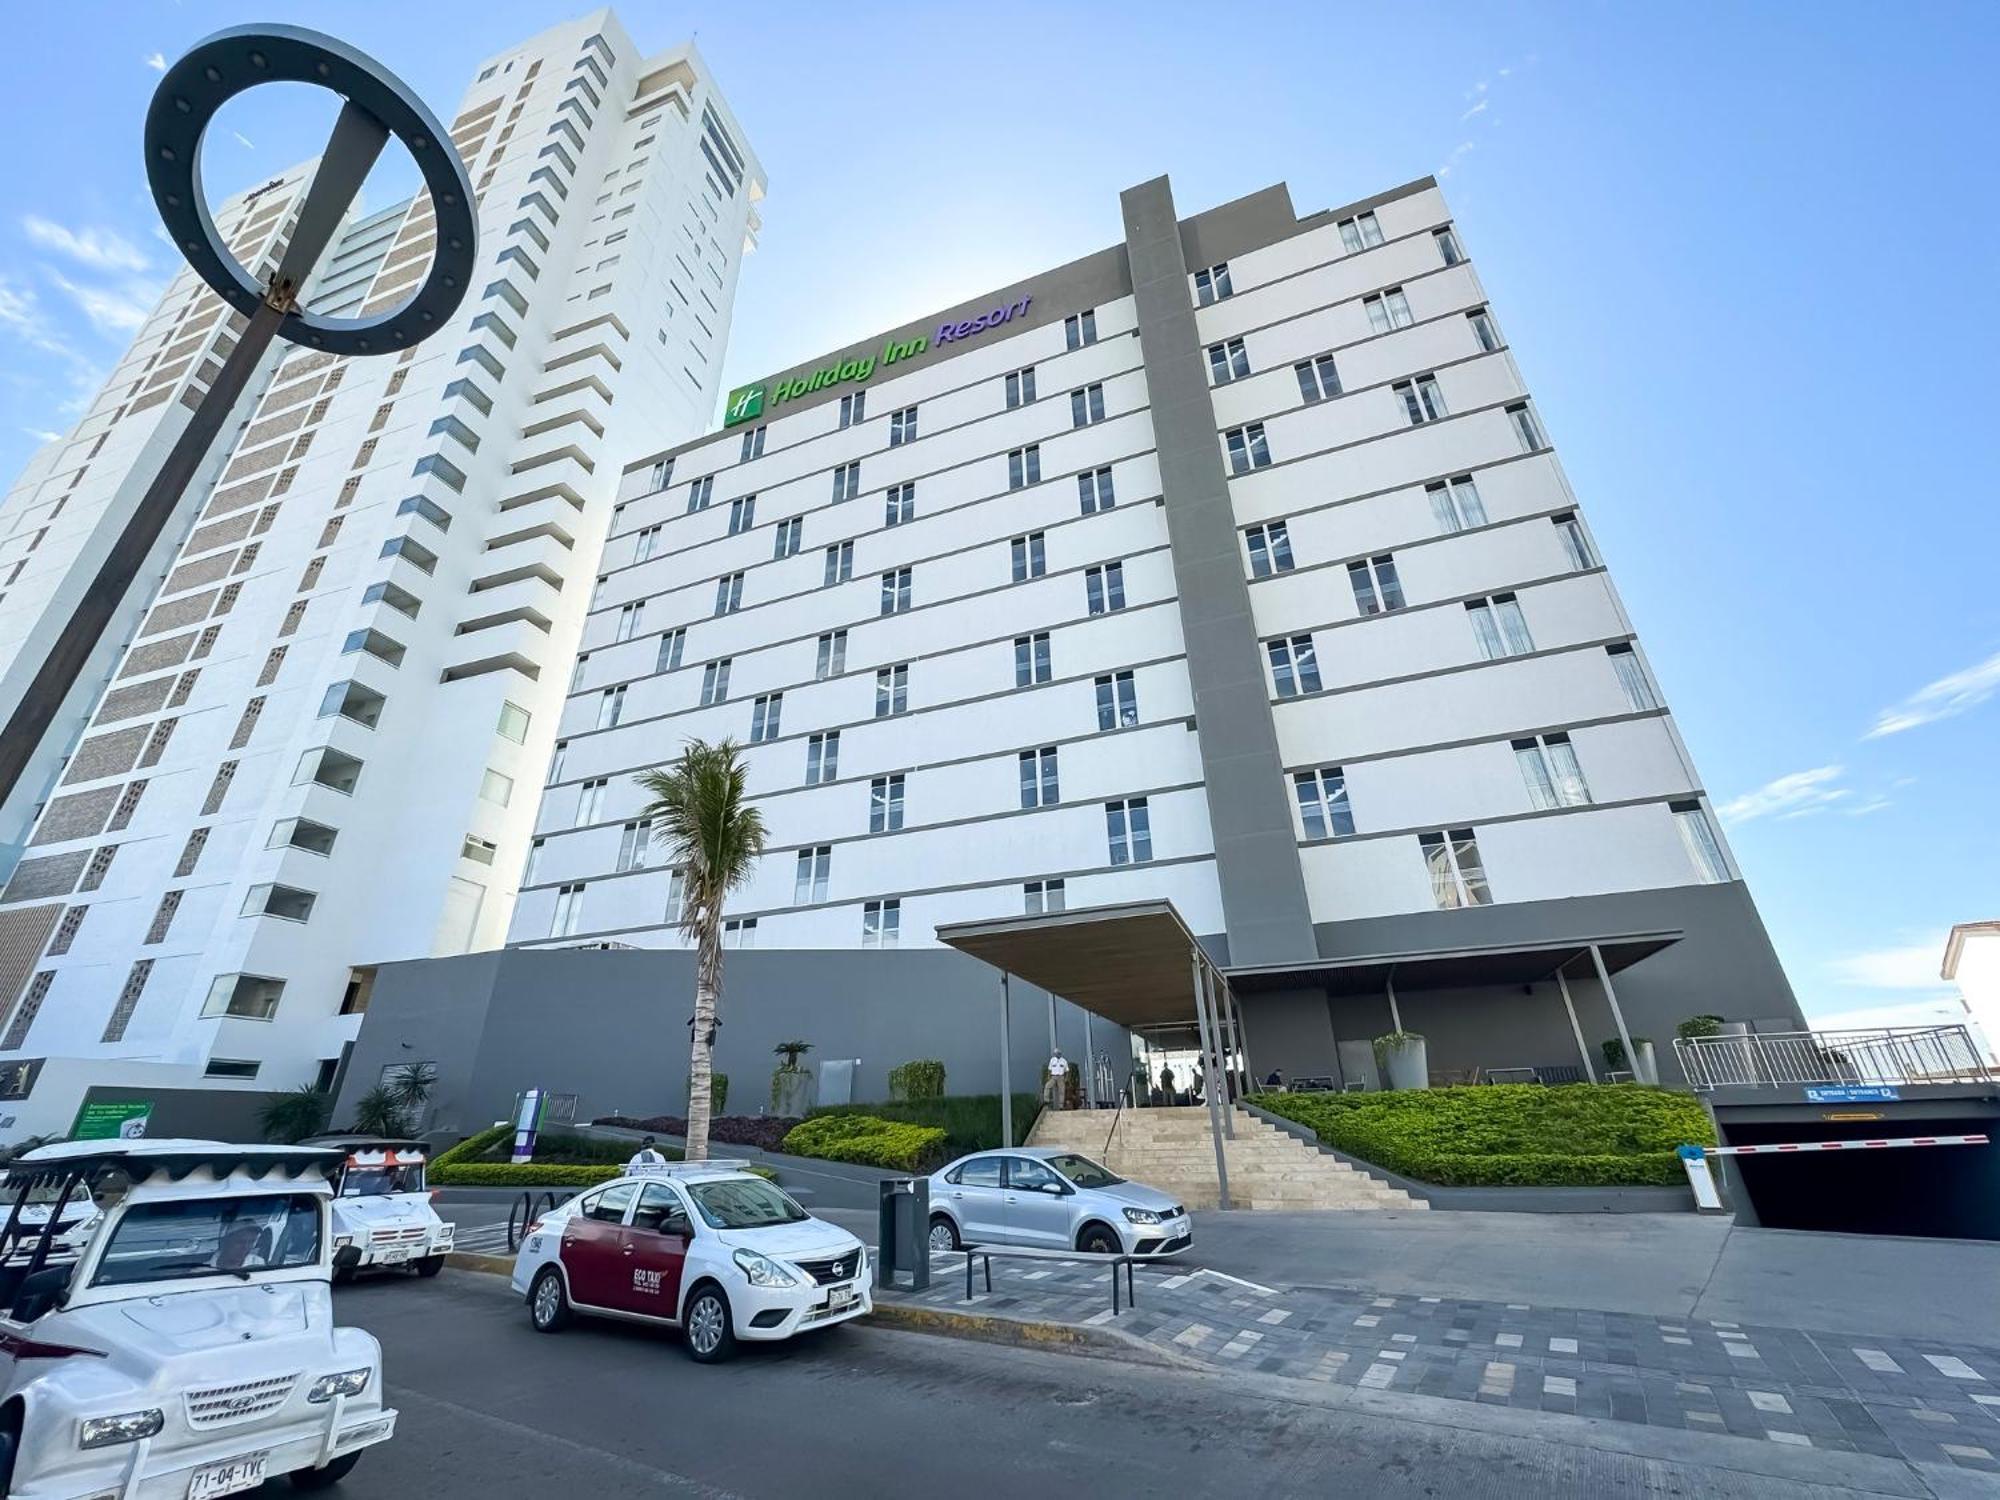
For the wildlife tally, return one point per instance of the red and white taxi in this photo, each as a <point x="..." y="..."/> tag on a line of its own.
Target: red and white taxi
<point x="708" y="1247"/>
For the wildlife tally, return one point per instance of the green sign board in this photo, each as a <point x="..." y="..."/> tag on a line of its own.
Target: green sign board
<point x="112" y="1120"/>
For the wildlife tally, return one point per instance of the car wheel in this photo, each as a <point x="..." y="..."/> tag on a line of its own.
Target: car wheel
<point x="430" y="1265"/>
<point x="343" y="1275"/>
<point x="944" y="1234"/>
<point x="548" y="1305"/>
<point x="10" y="1446"/>
<point x="1097" y="1240"/>
<point x="326" y="1477"/>
<point x="710" y="1339"/>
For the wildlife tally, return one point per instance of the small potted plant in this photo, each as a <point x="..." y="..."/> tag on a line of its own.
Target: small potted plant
<point x="1403" y="1059"/>
<point x="1643" y="1068"/>
<point x="791" y="1081"/>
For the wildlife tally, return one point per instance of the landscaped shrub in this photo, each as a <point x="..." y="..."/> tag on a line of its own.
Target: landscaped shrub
<point x="869" y="1141"/>
<point x="762" y="1131"/>
<point x="970" y="1122"/>
<point x="921" y="1078"/>
<point x="562" y="1159"/>
<point x="1580" y="1135"/>
<point x="1614" y="1053"/>
<point x="1699" y="1026"/>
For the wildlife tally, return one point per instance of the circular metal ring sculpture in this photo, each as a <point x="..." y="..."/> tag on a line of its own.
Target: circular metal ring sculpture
<point x="231" y="61"/>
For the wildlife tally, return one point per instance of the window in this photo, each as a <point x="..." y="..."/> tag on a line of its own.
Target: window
<point x="1270" y="549"/>
<point x="556" y="761"/>
<point x="480" y="851"/>
<point x="1024" y="466"/>
<point x="1031" y="659"/>
<point x="1020" y="387"/>
<point x="1376" y="586"/>
<point x="700" y="492"/>
<point x="1548" y="765"/>
<point x="1117" y="701"/>
<point x="1247" y="448"/>
<point x="630" y="618"/>
<point x="1040" y="896"/>
<point x="1030" y="558"/>
<point x="661" y="475"/>
<point x="300" y="833"/>
<point x="1104" y="587"/>
<point x="1499" y="626"/>
<point x="1576" y="546"/>
<point x="1227" y="362"/>
<point x="764" y="712"/>
<point x="1457" y="877"/>
<point x="1702" y="845"/>
<point x="742" y="514"/>
<point x="568" y="911"/>
<point x="1423" y="401"/>
<point x="839" y="563"/>
<point x="896" y="591"/>
<point x="1483" y="329"/>
<point x="1093" y="491"/>
<point x="714" y="682"/>
<point x="1447" y="243"/>
<point x="513" y="724"/>
<point x="809" y="883"/>
<point x="676" y="905"/>
<point x="1212" y="285"/>
<point x="1294" y="665"/>
<point x="397" y="598"/>
<point x="610" y="707"/>
<point x="672" y="644"/>
<point x="902" y="427"/>
<point x="899" y="504"/>
<point x="1631" y="677"/>
<point x="822" y="757"/>
<point x="1087" y="405"/>
<point x="1526" y="428"/>
<point x="728" y="593"/>
<point x="1388" y="309"/>
<point x="885" y="803"/>
<point x="846" y="481"/>
<point x="496" y="787"/>
<point x="1318" y="379"/>
<point x="1360" y="233"/>
<point x="1128" y="828"/>
<point x="786" y="539"/>
<point x="739" y="932"/>
<point x="892" y="690"/>
<point x="1080" y="329"/>
<point x="249" y="995"/>
<point x="1323" y="807"/>
<point x="881" y="923"/>
<point x="1455" y="503"/>
<point x="753" y="444"/>
<point x="1039" y="786"/>
<point x="447" y="472"/>
<point x="832" y="659"/>
<point x="590" y="800"/>
<point x="853" y="408"/>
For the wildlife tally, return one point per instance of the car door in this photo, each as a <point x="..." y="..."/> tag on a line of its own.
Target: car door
<point x="975" y="1199"/>
<point x="654" y="1252"/>
<point x="1035" y="1205"/>
<point x="593" y="1245"/>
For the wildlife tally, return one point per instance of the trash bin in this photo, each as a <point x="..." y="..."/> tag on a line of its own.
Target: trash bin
<point x="903" y="1239"/>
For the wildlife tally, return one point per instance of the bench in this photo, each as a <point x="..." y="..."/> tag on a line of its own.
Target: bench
<point x="984" y="1255"/>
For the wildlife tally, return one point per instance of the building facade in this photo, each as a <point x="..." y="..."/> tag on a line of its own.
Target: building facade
<point x="1231" y="564"/>
<point x="320" y="747"/>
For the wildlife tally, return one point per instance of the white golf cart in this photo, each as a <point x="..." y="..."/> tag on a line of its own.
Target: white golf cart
<point x="382" y="1214"/>
<point x="188" y="1349"/>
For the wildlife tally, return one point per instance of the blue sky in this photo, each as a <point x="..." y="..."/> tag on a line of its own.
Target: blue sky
<point x="1745" y="254"/>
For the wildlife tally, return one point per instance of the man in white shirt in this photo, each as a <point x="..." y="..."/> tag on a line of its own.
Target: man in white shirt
<point x="645" y="1156"/>
<point x="1058" y="1080"/>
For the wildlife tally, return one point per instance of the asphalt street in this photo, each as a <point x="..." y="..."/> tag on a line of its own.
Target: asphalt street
<point x="491" y="1408"/>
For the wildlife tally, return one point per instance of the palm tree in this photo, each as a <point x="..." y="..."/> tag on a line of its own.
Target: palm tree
<point x="714" y="838"/>
<point x="295" y="1114"/>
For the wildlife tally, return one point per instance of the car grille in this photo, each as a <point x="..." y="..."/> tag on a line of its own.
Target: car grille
<point x="840" y="1268"/>
<point x="381" y="1237"/>
<point x="220" y="1405"/>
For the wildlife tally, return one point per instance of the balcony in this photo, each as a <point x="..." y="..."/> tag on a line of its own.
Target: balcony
<point x="1886" y="1058"/>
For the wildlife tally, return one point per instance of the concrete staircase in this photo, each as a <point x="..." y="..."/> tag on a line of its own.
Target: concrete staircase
<point x="1170" y="1149"/>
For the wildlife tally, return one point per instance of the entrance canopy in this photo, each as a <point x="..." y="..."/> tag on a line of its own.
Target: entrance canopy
<point x="1450" y="968"/>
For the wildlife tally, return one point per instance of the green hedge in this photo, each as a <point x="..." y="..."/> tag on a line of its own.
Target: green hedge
<point x="1522" y="1134"/>
<point x="869" y="1141"/>
<point x="970" y="1122"/>
<point x="460" y="1167"/>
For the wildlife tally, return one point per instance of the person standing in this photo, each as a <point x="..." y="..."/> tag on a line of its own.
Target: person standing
<point x="1167" y="1084"/>
<point x="1058" y="1080"/>
<point x="645" y="1156"/>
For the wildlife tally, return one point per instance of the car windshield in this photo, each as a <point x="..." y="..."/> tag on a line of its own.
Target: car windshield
<point x="744" y="1203"/>
<point x="209" y="1236"/>
<point x="1084" y="1172"/>
<point x="377" y="1182"/>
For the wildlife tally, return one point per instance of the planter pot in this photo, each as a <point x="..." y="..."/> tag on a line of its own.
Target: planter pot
<point x="792" y="1094"/>
<point x="1407" y="1064"/>
<point x="1645" y="1068"/>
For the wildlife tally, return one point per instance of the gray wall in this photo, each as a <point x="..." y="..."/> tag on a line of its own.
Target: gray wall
<point x="196" y="1114"/>
<point x="611" y="1026"/>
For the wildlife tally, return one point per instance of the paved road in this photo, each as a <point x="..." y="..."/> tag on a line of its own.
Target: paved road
<point x="492" y="1409"/>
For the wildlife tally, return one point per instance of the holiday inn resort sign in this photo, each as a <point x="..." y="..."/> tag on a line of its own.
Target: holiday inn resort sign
<point x="748" y="402"/>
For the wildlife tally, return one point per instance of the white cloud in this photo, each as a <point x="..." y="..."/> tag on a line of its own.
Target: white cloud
<point x="1946" y="698"/>
<point x="1913" y="966"/>
<point x="1944" y="1010"/>
<point x="21" y="315"/>
<point x="42" y="434"/>
<point x="1799" y="794"/>
<point x="243" y="140"/>
<point x="100" y="249"/>
<point x="157" y="61"/>
<point x="1477" y="109"/>
<point x="111" y="310"/>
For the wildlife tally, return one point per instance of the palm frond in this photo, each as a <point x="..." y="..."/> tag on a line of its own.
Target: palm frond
<point x="704" y="825"/>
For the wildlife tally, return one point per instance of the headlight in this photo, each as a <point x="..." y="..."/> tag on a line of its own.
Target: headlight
<point x="128" y="1427"/>
<point x="763" y="1271"/>
<point x="346" y="1383"/>
<point x="1142" y="1216"/>
<point x="342" y="1241"/>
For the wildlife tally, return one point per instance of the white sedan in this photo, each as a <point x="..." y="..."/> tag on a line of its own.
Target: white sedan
<point x="707" y="1247"/>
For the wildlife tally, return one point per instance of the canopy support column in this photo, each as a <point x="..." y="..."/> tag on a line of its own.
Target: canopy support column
<point x="1617" y="1015"/>
<point x="1575" y="1030"/>
<point x="1242" y="1039"/>
<point x="1208" y="1079"/>
<point x="1219" y="1066"/>
<point x="1006" y="1067"/>
<point x="1395" y="1013"/>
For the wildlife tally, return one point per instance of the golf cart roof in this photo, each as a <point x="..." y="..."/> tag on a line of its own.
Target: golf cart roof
<point x="141" y="1160"/>
<point x="358" y="1142"/>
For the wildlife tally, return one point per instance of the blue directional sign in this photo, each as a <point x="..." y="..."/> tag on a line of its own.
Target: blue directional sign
<point x="1852" y="1093"/>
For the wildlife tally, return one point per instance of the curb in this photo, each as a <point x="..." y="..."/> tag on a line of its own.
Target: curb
<point x="489" y="1265"/>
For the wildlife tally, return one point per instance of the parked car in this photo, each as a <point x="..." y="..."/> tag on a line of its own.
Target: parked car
<point x="188" y="1348"/>
<point x="1052" y="1199"/>
<point x="382" y="1214"/>
<point x="707" y="1247"/>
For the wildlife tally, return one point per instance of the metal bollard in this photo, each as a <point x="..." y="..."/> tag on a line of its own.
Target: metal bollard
<point x="903" y="1232"/>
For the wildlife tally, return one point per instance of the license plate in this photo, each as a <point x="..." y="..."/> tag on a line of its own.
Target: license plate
<point x="228" y="1478"/>
<point x="839" y="1297"/>
<point x="395" y="1257"/>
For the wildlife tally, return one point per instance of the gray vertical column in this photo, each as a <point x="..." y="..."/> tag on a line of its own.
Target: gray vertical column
<point x="1256" y="852"/>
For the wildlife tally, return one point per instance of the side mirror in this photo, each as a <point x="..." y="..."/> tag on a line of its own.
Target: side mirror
<point x="677" y="1224"/>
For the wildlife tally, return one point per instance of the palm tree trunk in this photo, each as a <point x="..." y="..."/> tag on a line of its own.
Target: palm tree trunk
<point x="701" y="1074"/>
